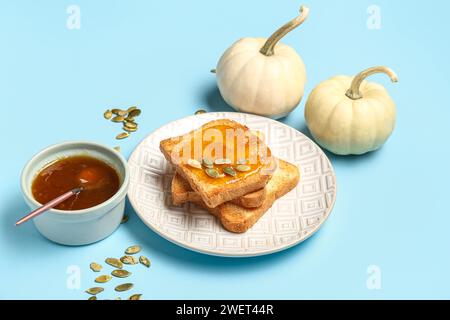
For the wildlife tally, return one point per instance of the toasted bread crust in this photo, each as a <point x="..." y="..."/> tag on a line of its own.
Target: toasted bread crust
<point x="182" y="192"/>
<point x="238" y="219"/>
<point x="214" y="195"/>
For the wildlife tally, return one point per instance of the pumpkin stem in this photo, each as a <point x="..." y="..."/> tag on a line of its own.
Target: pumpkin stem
<point x="354" y="93"/>
<point x="268" y="48"/>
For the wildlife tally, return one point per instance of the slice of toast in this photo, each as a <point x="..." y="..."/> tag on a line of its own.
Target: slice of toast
<point x="212" y="142"/>
<point x="182" y="192"/>
<point x="238" y="219"/>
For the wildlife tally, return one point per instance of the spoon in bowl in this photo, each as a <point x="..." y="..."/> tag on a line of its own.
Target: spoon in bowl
<point x="51" y="204"/>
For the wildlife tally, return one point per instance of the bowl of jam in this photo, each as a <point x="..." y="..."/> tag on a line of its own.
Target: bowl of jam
<point x="97" y="210"/>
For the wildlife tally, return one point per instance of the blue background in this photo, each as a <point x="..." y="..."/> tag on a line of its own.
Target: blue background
<point x="391" y="209"/>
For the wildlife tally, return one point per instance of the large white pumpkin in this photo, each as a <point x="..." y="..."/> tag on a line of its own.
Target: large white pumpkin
<point x="263" y="76"/>
<point x="348" y="115"/>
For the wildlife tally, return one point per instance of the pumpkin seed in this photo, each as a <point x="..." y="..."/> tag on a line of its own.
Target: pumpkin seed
<point x="118" y="298"/>
<point x="94" y="290"/>
<point x="130" y="124"/>
<point x="135" y="297"/>
<point x="131" y="109"/>
<point x="129" y="119"/>
<point x="102" y="279"/>
<point x="208" y="163"/>
<point x="120" y="273"/>
<point x="128" y="129"/>
<point x="134" y="113"/>
<point x="124" y="287"/>
<point x="118" y="119"/>
<point x="95" y="267"/>
<point x="145" y="261"/>
<point x="117" y="148"/>
<point x="108" y="114"/>
<point x="114" y="262"/>
<point x="200" y="111"/>
<point x="230" y="171"/>
<point x="92" y="298"/>
<point x="133" y="249"/>
<point x="122" y="135"/>
<point x="194" y="163"/>
<point x="212" y="173"/>
<point x="243" y="168"/>
<point x="242" y="161"/>
<point x="124" y="219"/>
<point x="222" y="161"/>
<point x="119" y="112"/>
<point x="129" y="260"/>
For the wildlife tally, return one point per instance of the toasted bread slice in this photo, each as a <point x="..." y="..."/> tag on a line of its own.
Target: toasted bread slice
<point x="212" y="142"/>
<point x="182" y="192"/>
<point x="238" y="219"/>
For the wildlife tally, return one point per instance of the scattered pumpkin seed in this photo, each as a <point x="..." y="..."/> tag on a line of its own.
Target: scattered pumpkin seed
<point x="114" y="262"/>
<point x="128" y="129"/>
<point x="133" y="249"/>
<point x="243" y="168"/>
<point x="118" y="298"/>
<point x="145" y="261"/>
<point x="229" y="171"/>
<point x="194" y="163"/>
<point x="119" y="112"/>
<point x="102" y="279"/>
<point x="130" y="124"/>
<point x="94" y="290"/>
<point x="120" y="273"/>
<point x="129" y="119"/>
<point x="135" y="297"/>
<point x="242" y="161"/>
<point x="122" y="135"/>
<point x="108" y="114"/>
<point x="117" y="148"/>
<point x="222" y="161"/>
<point x="95" y="267"/>
<point x="92" y="298"/>
<point x="118" y="119"/>
<point x="124" y="287"/>
<point x="129" y="260"/>
<point x="208" y="163"/>
<point x="134" y="113"/>
<point x="131" y="109"/>
<point x="212" y="173"/>
<point x="200" y="111"/>
<point x="124" y="219"/>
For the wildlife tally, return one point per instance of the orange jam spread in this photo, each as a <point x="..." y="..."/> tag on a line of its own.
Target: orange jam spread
<point x="231" y="153"/>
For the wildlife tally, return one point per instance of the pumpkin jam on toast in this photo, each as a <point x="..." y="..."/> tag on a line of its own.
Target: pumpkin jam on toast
<point x="221" y="161"/>
<point x="238" y="219"/>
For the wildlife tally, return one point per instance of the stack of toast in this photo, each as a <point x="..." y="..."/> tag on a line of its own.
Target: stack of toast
<point x="227" y="169"/>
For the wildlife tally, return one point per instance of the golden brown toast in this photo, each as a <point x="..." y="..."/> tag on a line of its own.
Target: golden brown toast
<point x="238" y="219"/>
<point x="182" y="192"/>
<point x="216" y="141"/>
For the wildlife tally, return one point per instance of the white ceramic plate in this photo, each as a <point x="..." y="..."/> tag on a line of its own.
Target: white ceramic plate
<point x="292" y="219"/>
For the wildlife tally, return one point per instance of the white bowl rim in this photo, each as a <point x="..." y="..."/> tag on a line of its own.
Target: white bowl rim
<point x="119" y="194"/>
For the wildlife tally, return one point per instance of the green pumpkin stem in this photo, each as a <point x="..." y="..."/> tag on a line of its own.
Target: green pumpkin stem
<point x="354" y="93"/>
<point x="268" y="48"/>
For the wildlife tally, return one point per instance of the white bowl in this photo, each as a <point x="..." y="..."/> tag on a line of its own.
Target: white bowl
<point x="78" y="227"/>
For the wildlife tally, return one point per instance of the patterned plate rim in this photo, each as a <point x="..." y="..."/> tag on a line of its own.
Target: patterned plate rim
<point x="262" y="252"/>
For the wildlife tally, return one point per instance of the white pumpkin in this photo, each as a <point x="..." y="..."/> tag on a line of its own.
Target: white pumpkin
<point x="348" y="115"/>
<point x="262" y="76"/>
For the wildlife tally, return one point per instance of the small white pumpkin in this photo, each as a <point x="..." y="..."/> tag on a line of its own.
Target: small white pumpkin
<point x="262" y="76"/>
<point x="347" y="115"/>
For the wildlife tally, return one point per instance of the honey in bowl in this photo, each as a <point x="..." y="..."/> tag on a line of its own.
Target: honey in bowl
<point x="99" y="180"/>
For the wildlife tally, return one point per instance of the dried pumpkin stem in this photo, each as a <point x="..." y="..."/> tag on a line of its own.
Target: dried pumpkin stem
<point x="354" y="93"/>
<point x="268" y="48"/>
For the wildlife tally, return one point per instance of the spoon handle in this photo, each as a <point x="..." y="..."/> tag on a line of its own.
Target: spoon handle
<point x="49" y="205"/>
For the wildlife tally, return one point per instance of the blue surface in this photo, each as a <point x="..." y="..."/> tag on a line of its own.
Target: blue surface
<point x="391" y="209"/>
